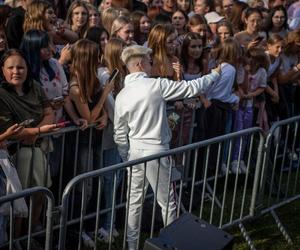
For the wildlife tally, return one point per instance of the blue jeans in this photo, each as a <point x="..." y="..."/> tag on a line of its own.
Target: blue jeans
<point x="243" y="120"/>
<point x="89" y="159"/>
<point x="110" y="157"/>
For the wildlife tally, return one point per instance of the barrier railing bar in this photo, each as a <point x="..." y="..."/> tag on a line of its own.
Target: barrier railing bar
<point x="127" y="206"/>
<point x="204" y="180"/>
<point x="247" y="176"/>
<point x="281" y="227"/>
<point x="257" y="175"/>
<point x="283" y="161"/>
<point x="11" y="222"/>
<point x="154" y="202"/>
<point x="30" y="223"/>
<point x="241" y="142"/>
<point x="215" y="183"/>
<point x="61" y="166"/>
<point x="99" y="195"/>
<point x="290" y="163"/>
<point x="142" y="203"/>
<point x="193" y="180"/>
<point x="75" y="170"/>
<point x="274" y="165"/>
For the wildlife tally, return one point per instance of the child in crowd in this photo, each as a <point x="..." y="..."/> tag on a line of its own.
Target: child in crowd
<point x="251" y="96"/>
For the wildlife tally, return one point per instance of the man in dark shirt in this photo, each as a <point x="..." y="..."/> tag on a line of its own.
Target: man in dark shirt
<point x="14" y="27"/>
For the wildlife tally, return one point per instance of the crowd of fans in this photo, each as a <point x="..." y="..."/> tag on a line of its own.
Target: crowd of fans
<point x="57" y="57"/>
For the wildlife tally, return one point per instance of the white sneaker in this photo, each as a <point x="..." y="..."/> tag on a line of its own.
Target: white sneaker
<point x="234" y="167"/>
<point x="243" y="167"/>
<point x="115" y="233"/>
<point x="293" y="156"/>
<point x="87" y="240"/>
<point x="103" y="235"/>
<point x="224" y="169"/>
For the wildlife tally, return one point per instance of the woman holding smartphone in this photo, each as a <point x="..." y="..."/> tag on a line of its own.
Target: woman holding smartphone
<point x="88" y="98"/>
<point x="50" y="74"/>
<point x="22" y="98"/>
<point x="251" y="36"/>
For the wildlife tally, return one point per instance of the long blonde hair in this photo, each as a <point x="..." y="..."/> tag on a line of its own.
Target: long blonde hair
<point x="35" y="16"/>
<point x="84" y="64"/>
<point x="118" y="24"/>
<point x="112" y="54"/>
<point x="107" y="18"/>
<point x="157" y="42"/>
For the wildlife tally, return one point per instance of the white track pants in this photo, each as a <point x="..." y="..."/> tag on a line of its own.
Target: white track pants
<point x="136" y="191"/>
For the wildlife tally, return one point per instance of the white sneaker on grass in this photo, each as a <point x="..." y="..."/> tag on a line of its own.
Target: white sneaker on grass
<point x="115" y="233"/>
<point x="235" y="168"/>
<point x="243" y="167"/>
<point x="103" y="235"/>
<point x="224" y="169"/>
<point x="87" y="240"/>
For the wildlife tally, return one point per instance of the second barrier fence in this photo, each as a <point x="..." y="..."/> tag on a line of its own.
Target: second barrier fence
<point x="210" y="191"/>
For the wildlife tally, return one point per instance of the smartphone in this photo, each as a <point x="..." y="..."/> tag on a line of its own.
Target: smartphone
<point x="259" y="39"/>
<point x="58" y="99"/>
<point x="113" y="75"/>
<point x="26" y="123"/>
<point x="63" y="124"/>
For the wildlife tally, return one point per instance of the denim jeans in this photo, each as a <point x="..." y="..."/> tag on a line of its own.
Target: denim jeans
<point x="243" y="120"/>
<point x="110" y="157"/>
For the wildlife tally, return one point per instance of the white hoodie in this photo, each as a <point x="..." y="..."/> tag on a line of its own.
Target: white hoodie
<point x="140" y="120"/>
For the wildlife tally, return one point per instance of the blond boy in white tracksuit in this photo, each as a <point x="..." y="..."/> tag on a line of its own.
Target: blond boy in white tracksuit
<point x="141" y="129"/>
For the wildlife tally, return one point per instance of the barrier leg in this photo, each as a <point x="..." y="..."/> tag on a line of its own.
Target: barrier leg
<point x="246" y="236"/>
<point x="282" y="228"/>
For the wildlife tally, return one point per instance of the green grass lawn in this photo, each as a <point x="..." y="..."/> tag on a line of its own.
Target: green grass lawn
<point x="265" y="234"/>
<point x="263" y="231"/>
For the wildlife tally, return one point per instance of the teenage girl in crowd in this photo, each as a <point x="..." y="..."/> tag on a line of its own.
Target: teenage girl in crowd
<point x="123" y="28"/>
<point x="290" y="72"/>
<point x="184" y="5"/>
<point x="50" y="74"/>
<point x="113" y="51"/>
<point x="100" y="36"/>
<point x="88" y="98"/>
<point x="192" y="63"/>
<point x="251" y="97"/>
<point x="163" y="42"/>
<point x="179" y="21"/>
<point x="94" y="16"/>
<point x="277" y="22"/>
<point x="275" y="45"/>
<point x="41" y="16"/>
<point x="220" y="96"/>
<point x="77" y="18"/>
<point x="142" y="26"/>
<point x="251" y="36"/>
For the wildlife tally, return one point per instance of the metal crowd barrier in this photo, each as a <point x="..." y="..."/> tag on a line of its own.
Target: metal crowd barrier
<point x="25" y="242"/>
<point x="222" y="199"/>
<point x="280" y="182"/>
<point x="219" y="197"/>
